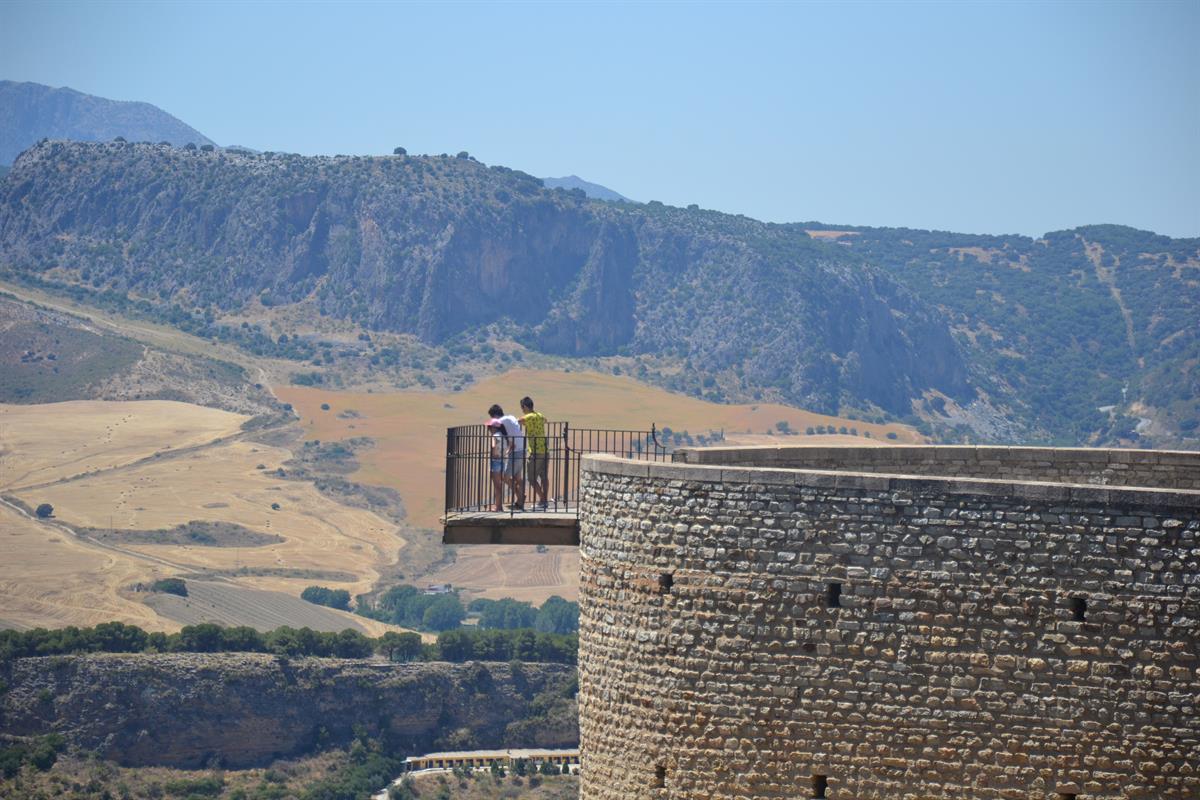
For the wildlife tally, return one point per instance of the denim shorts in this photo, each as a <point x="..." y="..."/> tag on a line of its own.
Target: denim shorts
<point x="497" y="465"/>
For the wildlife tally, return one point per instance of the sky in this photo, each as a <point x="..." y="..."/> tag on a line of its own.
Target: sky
<point x="1014" y="117"/>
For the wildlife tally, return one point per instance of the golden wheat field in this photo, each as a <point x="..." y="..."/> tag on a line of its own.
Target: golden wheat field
<point x="409" y="427"/>
<point x="118" y="473"/>
<point x="151" y="466"/>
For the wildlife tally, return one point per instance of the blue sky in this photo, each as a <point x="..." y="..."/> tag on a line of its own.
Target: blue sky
<point x="974" y="117"/>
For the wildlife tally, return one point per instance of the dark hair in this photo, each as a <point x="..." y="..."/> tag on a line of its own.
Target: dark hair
<point x="496" y="411"/>
<point x="527" y="402"/>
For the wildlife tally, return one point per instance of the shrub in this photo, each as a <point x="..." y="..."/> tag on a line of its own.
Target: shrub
<point x="399" y="151"/>
<point x="45" y="510"/>
<point x="175" y="586"/>
<point x="321" y="596"/>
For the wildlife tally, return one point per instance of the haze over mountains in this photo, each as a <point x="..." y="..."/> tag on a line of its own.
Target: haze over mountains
<point x="31" y="111"/>
<point x="592" y="190"/>
<point x="1083" y="336"/>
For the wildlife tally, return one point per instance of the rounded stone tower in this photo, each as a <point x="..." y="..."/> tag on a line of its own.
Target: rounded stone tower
<point x="906" y="622"/>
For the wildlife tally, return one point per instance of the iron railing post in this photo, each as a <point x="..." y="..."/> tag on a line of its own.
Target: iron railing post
<point x="450" y="471"/>
<point x="566" y="464"/>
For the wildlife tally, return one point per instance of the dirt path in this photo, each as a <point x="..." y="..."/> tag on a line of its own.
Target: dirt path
<point x="1108" y="277"/>
<point x="63" y="528"/>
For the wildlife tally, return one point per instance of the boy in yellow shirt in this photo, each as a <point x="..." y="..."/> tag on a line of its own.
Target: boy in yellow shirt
<point x="534" y="426"/>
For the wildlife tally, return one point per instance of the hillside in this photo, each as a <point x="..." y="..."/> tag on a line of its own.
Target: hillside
<point x="441" y="247"/>
<point x="47" y="355"/>
<point x="30" y="112"/>
<point x="435" y="270"/>
<point x="1092" y="335"/>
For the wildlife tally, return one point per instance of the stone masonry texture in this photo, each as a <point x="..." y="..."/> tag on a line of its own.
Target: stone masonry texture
<point x="764" y="632"/>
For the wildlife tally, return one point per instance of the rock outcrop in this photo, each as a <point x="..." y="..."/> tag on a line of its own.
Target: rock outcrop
<point x="190" y="709"/>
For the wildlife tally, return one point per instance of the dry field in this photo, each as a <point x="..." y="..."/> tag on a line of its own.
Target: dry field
<point x="50" y="579"/>
<point x="522" y="573"/>
<point x="53" y="441"/>
<point x="225" y="604"/>
<point x="409" y="427"/>
<point x="154" y="465"/>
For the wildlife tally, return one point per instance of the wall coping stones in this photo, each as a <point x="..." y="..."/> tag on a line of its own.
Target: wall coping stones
<point x="705" y="466"/>
<point x="764" y="454"/>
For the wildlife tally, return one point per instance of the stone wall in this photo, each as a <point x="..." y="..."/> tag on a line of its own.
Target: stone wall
<point x="755" y="633"/>
<point x="1158" y="468"/>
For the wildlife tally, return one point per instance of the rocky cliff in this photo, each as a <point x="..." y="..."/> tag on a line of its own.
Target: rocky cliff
<point x="188" y="710"/>
<point x="442" y="247"/>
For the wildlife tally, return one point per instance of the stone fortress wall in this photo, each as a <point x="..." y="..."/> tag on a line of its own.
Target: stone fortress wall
<point x="1163" y="469"/>
<point x="866" y="627"/>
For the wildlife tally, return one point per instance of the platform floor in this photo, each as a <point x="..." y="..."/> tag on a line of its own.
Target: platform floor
<point x="503" y="527"/>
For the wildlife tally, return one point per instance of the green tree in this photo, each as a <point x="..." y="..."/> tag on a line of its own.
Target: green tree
<point x="444" y="613"/>
<point x="115" y="637"/>
<point x="352" y="644"/>
<point x="170" y="586"/>
<point x="400" y="646"/>
<point x="203" y="638"/>
<point x="506" y="614"/>
<point x="322" y="596"/>
<point x="557" y="616"/>
<point x="44" y="510"/>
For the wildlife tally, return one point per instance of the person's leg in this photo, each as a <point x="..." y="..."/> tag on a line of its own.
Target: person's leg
<point x="498" y="489"/>
<point x="538" y="476"/>
<point x="518" y="479"/>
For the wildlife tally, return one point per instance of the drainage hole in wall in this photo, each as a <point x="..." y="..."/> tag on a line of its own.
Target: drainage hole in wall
<point x="665" y="582"/>
<point x="820" y="786"/>
<point x="1079" y="608"/>
<point x="660" y="776"/>
<point x="833" y="596"/>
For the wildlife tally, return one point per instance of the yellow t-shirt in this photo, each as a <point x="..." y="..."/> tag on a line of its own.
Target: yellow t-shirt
<point x="535" y="432"/>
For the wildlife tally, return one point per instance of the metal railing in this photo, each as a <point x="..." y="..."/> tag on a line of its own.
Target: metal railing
<point x="476" y="482"/>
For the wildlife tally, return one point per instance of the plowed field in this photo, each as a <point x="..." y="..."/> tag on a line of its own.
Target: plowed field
<point x="152" y="465"/>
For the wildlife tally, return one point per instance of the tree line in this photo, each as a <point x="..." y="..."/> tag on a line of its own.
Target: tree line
<point x="455" y="646"/>
<point x="409" y="607"/>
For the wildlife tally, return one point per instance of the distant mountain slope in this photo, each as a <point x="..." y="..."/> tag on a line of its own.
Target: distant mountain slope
<point x="442" y="247"/>
<point x="30" y="112"/>
<point x="1092" y="334"/>
<point x="592" y="190"/>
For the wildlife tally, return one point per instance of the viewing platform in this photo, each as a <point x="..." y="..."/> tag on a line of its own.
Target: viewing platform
<point x="552" y="461"/>
<point x="506" y="527"/>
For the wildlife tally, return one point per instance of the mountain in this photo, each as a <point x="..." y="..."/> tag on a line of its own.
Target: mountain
<point x="1079" y="337"/>
<point x="1092" y="334"/>
<point x="442" y="247"/>
<point x="592" y="190"/>
<point x="30" y="112"/>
